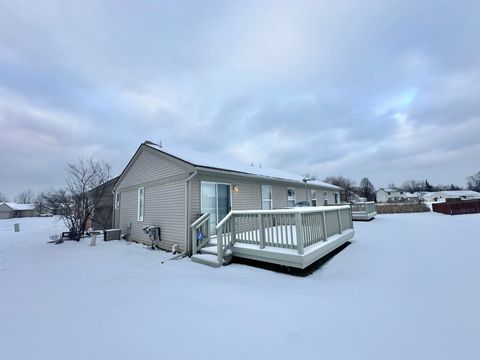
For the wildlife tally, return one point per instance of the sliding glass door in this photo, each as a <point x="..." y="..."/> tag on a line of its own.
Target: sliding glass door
<point x="215" y="199"/>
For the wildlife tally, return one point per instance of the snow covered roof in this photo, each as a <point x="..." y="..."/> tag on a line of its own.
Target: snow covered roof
<point x="460" y="193"/>
<point x="225" y="163"/>
<point x="19" y="207"/>
<point x="391" y="189"/>
<point x="410" y="195"/>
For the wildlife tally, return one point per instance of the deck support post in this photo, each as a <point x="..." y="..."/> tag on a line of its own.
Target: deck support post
<point x="299" y="230"/>
<point x="261" y="231"/>
<point x="339" y="221"/>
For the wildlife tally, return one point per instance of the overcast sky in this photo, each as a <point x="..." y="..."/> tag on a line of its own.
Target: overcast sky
<point x="384" y="89"/>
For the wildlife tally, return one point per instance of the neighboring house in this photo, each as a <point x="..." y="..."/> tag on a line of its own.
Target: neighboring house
<point x="171" y="189"/>
<point x="452" y="194"/>
<point x="102" y="216"/>
<point x="13" y="210"/>
<point x="391" y="195"/>
<point x="422" y="194"/>
<point x="412" y="197"/>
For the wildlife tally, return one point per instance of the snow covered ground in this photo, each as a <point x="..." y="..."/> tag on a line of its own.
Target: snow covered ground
<point x="407" y="288"/>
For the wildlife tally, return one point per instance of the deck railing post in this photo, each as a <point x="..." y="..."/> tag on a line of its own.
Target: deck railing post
<point x="261" y="230"/>
<point x="194" y="241"/>
<point x="339" y="221"/>
<point x="232" y="230"/>
<point x="220" y="245"/>
<point x="299" y="230"/>
<point x="325" y="233"/>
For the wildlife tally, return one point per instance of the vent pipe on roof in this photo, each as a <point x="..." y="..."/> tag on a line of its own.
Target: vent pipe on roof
<point x="148" y="142"/>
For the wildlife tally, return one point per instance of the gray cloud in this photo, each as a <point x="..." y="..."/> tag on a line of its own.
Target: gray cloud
<point x="387" y="90"/>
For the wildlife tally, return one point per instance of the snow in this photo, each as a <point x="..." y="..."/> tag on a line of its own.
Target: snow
<point x="406" y="288"/>
<point x="460" y="193"/>
<point x="19" y="207"/>
<point x="225" y="163"/>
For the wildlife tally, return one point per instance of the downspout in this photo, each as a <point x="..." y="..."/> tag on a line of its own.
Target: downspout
<point x="113" y="215"/>
<point x="188" y="195"/>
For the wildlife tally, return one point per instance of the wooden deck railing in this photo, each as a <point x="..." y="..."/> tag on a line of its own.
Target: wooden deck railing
<point x="296" y="228"/>
<point x="200" y="232"/>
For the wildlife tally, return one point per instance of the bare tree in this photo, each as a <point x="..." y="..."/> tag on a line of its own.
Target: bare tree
<point x="366" y="189"/>
<point x="473" y="182"/>
<point x="348" y="186"/>
<point x="25" y="197"/>
<point x="40" y="202"/>
<point x="82" y="194"/>
<point x="3" y="197"/>
<point x="414" y="185"/>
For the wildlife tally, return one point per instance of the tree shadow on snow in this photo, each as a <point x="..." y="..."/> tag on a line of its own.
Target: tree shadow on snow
<point x="291" y="270"/>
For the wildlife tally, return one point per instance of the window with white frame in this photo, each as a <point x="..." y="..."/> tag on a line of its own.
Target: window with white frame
<point x="325" y="198"/>
<point x="267" y="197"/>
<point x="141" y="203"/>
<point x="313" y="195"/>
<point x="290" y="197"/>
<point x="117" y="200"/>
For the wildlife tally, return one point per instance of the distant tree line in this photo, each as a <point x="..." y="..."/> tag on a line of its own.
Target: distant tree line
<point x="367" y="190"/>
<point x="350" y="188"/>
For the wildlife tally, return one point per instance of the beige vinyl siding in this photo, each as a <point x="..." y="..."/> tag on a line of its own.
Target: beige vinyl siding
<point x="279" y="196"/>
<point x="164" y="207"/>
<point x="249" y="196"/>
<point x="149" y="167"/>
<point x="165" y="203"/>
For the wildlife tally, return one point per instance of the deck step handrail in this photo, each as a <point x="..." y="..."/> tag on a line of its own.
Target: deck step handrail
<point x="201" y="227"/>
<point x="296" y="228"/>
<point x="225" y="240"/>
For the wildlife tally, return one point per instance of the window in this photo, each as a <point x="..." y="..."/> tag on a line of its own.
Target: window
<point x="117" y="200"/>
<point x="141" y="203"/>
<point x="266" y="197"/>
<point x="313" y="195"/>
<point x="325" y="198"/>
<point x="290" y="197"/>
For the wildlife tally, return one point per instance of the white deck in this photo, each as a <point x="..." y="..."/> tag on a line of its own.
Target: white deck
<point x="291" y="237"/>
<point x="364" y="211"/>
<point x="290" y="257"/>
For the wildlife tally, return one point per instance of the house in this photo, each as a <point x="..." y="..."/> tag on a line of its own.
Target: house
<point x="13" y="210"/>
<point x="172" y="189"/>
<point x="102" y="215"/>
<point x="391" y="194"/>
<point x="452" y="194"/>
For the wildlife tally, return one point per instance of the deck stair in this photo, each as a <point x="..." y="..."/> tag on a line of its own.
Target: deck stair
<point x="206" y="259"/>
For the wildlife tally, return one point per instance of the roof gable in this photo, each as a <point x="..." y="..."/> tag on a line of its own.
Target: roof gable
<point x="146" y="151"/>
<point x="18" y="207"/>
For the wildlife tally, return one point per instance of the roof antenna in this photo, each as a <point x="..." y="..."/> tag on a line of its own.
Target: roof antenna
<point x="251" y="164"/>
<point x="160" y="143"/>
